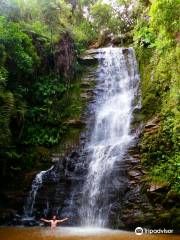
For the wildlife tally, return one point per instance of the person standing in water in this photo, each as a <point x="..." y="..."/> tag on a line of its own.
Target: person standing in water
<point x="54" y="221"/>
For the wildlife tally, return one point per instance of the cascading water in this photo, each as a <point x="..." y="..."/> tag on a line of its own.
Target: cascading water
<point x="118" y="79"/>
<point x="89" y="184"/>
<point x="30" y="201"/>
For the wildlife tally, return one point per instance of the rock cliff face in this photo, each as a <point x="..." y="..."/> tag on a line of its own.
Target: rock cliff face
<point x="64" y="55"/>
<point x="59" y="56"/>
<point x="56" y="195"/>
<point x="147" y="204"/>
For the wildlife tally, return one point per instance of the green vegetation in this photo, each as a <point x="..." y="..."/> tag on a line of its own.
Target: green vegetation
<point x="157" y="47"/>
<point x="116" y="20"/>
<point x="40" y="77"/>
<point x="39" y="73"/>
<point x="37" y="94"/>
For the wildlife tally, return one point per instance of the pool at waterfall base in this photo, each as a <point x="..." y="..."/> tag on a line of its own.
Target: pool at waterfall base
<point x="76" y="233"/>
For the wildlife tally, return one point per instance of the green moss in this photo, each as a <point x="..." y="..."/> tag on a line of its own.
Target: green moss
<point x="160" y="148"/>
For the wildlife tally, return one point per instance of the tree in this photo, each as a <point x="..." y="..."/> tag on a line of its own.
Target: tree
<point x="165" y="16"/>
<point x="101" y="14"/>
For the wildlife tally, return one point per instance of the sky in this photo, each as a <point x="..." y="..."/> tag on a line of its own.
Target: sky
<point x="108" y="1"/>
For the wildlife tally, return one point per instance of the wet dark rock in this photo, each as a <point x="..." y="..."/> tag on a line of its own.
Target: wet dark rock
<point x="86" y="95"/>
<point x="54" y="196"/>
<point x="74" y="154"/>
<point x="90" y="57"/>
<point x="88" y="60"/>
<point x="85" y="84"/>
<point x="75" y="122"/>
<point x="29" y="222"/>
<point x="64" y="55"/>
<point x="6" y="215"/>
<point x="125" y="51"/>
<point x="134" y="173"/>
<point x="55" y="158"/>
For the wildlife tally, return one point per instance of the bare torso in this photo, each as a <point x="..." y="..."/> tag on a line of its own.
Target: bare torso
<point x="54" y="223"/>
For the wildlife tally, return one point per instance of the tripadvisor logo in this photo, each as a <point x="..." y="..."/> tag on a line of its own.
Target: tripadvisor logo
<point x="140" y="231"/>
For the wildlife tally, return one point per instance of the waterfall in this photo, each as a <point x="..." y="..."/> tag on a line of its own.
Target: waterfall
<point x="89" y="184"/>
<point x="118" y="84"/>
<point x="36" y="185"/>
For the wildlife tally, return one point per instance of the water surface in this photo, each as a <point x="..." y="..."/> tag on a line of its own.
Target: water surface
<point x="75" y="233"/>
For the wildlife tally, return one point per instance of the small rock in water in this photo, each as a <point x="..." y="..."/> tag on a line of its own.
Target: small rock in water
<point x="125" y="50"/>
<point x="30" y="222"/>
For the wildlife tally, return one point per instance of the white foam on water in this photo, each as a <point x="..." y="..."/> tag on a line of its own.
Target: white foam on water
<point x="81" y="231"/>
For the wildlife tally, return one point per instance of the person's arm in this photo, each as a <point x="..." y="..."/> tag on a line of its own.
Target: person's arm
<point x="62" y="220"/>
<point x="45" y="220"/>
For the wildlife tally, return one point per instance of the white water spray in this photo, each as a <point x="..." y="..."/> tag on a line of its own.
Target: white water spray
<point x="36" y="185"/>
<point x="118" y="82"/>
